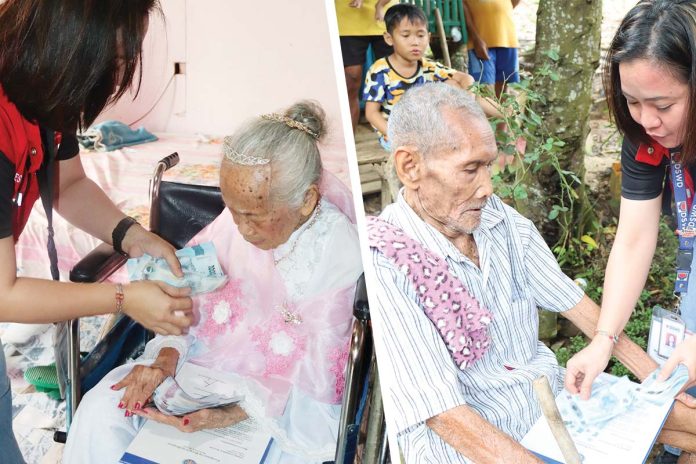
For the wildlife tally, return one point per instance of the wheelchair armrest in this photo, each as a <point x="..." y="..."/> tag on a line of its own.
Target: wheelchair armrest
<point x="99" y="264"/>
<point x="361" y="306"/>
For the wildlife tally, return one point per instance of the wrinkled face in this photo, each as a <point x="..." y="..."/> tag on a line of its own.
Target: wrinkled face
<point x="410" y="40"/>
<point x="657" y="100"/>
<point x="456" y="182"/>
<point x="262" y="222"/>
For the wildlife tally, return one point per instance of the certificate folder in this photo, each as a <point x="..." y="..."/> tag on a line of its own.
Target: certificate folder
<point x="242" y="443"/>
<point x="627" y="437"/>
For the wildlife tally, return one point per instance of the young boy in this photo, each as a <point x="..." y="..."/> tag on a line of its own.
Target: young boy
<point x="388" y="78"/>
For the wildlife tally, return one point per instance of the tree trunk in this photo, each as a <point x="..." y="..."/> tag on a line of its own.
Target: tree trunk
<point x="567" y="45"/>
<point x="570" y="30"/>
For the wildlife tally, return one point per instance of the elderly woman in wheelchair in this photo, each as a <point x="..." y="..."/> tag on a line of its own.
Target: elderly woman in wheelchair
<point x="281" y="324"/>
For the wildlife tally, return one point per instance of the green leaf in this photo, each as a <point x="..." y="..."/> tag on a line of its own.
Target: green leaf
<point x="505" y="191"/>
<point x="553" y="54"/>
<point x="520" y="192"/>
<point x="553" y="214"/>
<point x="589" y="240"/>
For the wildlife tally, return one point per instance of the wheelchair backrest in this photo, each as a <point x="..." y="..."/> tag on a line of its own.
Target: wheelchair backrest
<point x="183" y="210"/>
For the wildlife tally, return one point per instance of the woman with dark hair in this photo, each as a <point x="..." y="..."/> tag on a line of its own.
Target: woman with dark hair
<point x="650" y="82"/>
<point x="61" y="63"/>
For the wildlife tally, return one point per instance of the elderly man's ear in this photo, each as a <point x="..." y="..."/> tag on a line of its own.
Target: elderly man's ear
<point x="310" y="200"/>
<point x="409" y="166"/>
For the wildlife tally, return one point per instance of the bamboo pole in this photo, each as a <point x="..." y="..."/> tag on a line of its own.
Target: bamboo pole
<point x="553" y="417"/>
<point x="443" y="37"/>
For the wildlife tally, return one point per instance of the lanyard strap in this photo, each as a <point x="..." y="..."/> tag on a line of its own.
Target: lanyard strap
<point x="46" y="179"/>
<point x="686" y="224"/>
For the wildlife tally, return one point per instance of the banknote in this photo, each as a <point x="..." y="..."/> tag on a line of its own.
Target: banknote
<point x="619" y="423"/>
<point x="202" y="271"/>
<point x="615" y="396"/>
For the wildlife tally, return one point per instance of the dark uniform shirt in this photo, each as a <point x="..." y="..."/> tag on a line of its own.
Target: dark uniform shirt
<point x="645" y="173"/>
<point x="22" y="148"/>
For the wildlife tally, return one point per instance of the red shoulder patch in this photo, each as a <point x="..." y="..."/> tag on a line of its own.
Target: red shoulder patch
<point x="651" y="154"/>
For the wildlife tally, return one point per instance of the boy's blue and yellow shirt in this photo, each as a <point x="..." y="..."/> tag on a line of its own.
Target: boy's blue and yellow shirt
<point x="386" y="86"/>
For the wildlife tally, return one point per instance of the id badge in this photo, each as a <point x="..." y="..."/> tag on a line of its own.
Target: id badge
<point x="667" y="331"/>
<point x="671" y="334"/>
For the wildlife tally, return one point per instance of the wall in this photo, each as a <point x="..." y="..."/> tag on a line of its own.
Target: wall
<point x="242" y="59"/>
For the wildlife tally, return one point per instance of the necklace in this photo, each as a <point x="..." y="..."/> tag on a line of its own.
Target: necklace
<point x="317" y="211"/>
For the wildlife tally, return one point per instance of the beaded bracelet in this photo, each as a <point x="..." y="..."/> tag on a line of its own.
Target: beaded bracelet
<point x="612" y="337"/>
<point x="119" y="298"/>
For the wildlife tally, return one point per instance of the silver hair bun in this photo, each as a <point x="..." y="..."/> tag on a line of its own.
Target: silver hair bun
<point x="310" y="114"/>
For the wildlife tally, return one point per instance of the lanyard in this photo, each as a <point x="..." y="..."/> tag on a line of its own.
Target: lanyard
<point x="686" y="225"/>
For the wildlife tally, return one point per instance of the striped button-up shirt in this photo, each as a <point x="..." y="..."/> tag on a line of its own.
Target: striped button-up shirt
<point x="517" y="274"/>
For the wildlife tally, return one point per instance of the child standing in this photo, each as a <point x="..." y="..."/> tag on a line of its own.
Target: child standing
<point x="388" y="78"/>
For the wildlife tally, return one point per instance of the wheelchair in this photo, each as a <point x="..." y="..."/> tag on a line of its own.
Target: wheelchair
<point x="177" y="212"/>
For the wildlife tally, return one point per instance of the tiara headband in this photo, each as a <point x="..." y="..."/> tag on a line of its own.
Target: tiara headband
<point x="240" y="158"/>
<point x="290" y="123"/>
<point x="246" y="160"/>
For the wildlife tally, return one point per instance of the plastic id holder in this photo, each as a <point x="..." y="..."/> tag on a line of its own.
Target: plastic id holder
<point x="667" y="331"/>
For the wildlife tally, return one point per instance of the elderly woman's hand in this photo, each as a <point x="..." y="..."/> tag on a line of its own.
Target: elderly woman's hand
<point x="138" y="241"/>
<point x="212" y="418"/>
<point x="142" y="381"/>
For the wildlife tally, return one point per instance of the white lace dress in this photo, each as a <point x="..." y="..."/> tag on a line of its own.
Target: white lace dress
<point x="320" y="256"/>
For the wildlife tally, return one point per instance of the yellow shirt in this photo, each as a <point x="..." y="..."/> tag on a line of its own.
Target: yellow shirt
<point x="359" y="21"/>
<point x="493" y="20"/>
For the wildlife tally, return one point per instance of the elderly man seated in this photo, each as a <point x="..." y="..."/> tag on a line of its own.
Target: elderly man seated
<point x="459" y="278"/>
<point x="281" y="324"/>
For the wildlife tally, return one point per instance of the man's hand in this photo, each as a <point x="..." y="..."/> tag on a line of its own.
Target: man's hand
<point x="477" y="439"/>
<point x="480" y="48"/>
<point x="379" y="12"/>
<point x="212" y="418"/>
<point x="586" y="365"/>
<point x="685" y="354"/>
<point x="138" y="241"/>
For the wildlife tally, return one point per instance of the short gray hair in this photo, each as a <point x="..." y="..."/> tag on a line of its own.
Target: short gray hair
<point x="290" y="148"/>
<point x="417" y="118"/>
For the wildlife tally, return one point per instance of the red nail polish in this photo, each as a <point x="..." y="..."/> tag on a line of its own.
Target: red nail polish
<point x="137" y="405"/>
<point x="113" y="387"/>
<point x="128" y="413"/>
<point x="186" y="422"/>
<point x="120" y="405"/>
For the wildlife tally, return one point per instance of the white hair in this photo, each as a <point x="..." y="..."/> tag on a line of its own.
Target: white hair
<point x="417" y="119"/>
<point x="290" y="148"/>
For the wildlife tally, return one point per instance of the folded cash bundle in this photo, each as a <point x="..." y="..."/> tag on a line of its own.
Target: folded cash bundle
<point x="202" y="271"/>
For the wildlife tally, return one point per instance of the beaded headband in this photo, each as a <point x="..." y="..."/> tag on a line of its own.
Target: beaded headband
<point x="240" y="158"/>
<point x="291" y="123"/>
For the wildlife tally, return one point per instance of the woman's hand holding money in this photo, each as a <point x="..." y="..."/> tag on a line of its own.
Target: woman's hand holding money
<point x="138" y="241"/>
<point x="162" y="308"/>
<point x="684" y="353"/>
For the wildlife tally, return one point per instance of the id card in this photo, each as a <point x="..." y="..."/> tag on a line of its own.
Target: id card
<point x="667" y="331"/>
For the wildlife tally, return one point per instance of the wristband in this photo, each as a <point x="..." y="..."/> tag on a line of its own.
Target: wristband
<point x="119" y="298"/>
<point x="613" y="338"/>
<point x="120" y="231"/>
